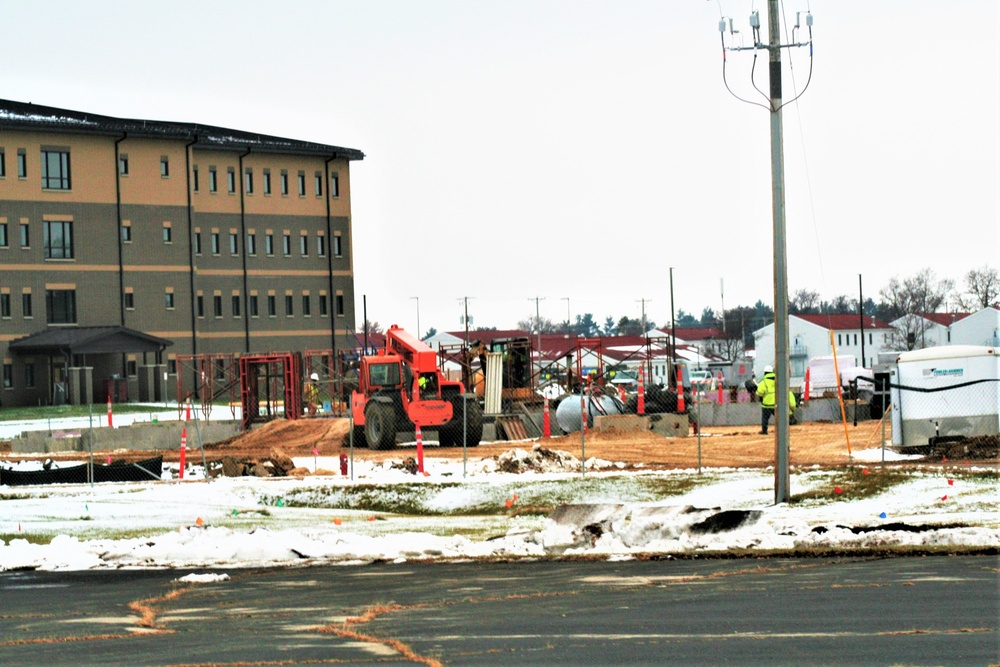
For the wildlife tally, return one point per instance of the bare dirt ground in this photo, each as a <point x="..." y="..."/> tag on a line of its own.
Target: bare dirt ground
<point x="822" y="443"/>
<point x="812" y="443"/>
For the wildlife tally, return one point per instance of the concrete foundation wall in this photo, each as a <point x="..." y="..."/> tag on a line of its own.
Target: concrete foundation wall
<point x="745" y="414"/>
<point x="667" y="424"/>
<point x="162" y="435"/>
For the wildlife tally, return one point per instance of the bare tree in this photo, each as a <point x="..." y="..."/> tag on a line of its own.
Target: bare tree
<point x="982" y="289"/>
<point x="908" y="301"/>
<point x="538" y="325"/>
<point x="804" y="302"/>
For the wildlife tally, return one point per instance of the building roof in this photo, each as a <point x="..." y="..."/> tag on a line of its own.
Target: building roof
<point x="944" y="319"/>
<point x="693" y="334"/>
<point x="35" y="117"/>
<point x="842" y="322"/>
<point x="88" y="340"/>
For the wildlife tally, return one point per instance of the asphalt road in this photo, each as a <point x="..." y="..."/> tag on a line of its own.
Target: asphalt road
<point x="912" y="611"/>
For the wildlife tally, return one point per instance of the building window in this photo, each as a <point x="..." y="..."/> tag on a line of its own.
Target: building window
<point x="3" y="163"/>
<point x="197" y="243"/>
<point x="126" y="233"/>
<point x="26" y="309"/>
<point x="55" y="169"/>
<point x="172" y="367"/>
<point x="286" y="244"/>
<point x="231" y="180"/>
<point x="60" y="306"/>
<point x="322" y="304"/>
<point x="340" y="304"/>
<point x="855" y="339"/>
<point x="284" y="182"/>
<point x="272" y="306"/>
<point x="200" y="301"/>
<point x="217" y="305"/>
<point x="8" y="376"/>
<point x="251" y="244"/>
<point x="215" y="243"/>
<point x="267" y="181"/>
<point x="168" y="235"/>
<point x="168" y="300"/>
<point x="337" y="251"/>
<point x="29" y="375"/>
<point x="321" y="246"/>
<point x="58" y="239"/>
<point x="22" y="163"/>
<point x="302" y="184"/>
<point x="289" y="305"/>
<point x="4" y="240"/>
<point x="269" y="244"/>
<point x="306" y="309"/>
<point x="318" y="183"/>
<point x="334" y="185"/>
<point x="164" y="166"/>
<point x="213" y="180"/>
<point x="5" y="305"/>
<point x="25" y="235"/>
<point x="131" y="368"/>
<point x="248" y="177"/>
<point x="194" y="178"/>
<point x="129" y="301"/>
<point x="236" y="305"/>
<point x="304" y="245"/>
<point x="123" y="164"/>
<point x="254" y="307"/>
<point x="234" y="243"/>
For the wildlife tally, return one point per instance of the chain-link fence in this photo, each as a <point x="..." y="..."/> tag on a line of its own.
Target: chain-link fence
<point x="931" y="417"/>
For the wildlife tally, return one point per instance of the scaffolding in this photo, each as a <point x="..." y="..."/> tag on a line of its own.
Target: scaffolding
<point x="204" y="379"/>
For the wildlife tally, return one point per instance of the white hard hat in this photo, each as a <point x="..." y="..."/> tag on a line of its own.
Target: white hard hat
<point x="769" y="368"/>
<point x="314" y="377"/>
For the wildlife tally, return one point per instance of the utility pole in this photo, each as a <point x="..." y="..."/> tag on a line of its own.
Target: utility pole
<point x="782" y="493"/>
<point x="645" y="336"/>
<point x="861" y="319"/>
<point x="673" y="325"/>
<point x="569" y="322"/>
<point x="781" y="360"/>
<point x="538" y="331"/>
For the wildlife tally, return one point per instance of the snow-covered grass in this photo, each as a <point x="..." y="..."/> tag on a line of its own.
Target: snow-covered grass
<point x="388" y="514"/>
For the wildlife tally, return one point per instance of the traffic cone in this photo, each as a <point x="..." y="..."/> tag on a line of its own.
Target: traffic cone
<point x="641" y="405"/>
<point x="420" y="451"/>
<point x="184" y="440"/>
<point x="680" y="390"/>
<point x="546" y="421"/>
<point x="721" y="395"/>
<point x="805" y="390"/>
<point x="110" y="424"/>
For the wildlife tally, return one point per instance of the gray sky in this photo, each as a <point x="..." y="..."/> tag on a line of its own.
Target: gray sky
<point x="574" y="149"/>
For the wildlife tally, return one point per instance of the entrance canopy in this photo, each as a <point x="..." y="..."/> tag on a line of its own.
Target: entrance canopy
<point x="87" y="340"/>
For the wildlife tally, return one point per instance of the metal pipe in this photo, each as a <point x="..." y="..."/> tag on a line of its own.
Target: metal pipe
<point x="190" y="221"/>
<point x="243" y="255"/>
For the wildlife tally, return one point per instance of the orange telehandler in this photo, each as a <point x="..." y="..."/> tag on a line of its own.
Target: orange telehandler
<point x="401" y="387"/>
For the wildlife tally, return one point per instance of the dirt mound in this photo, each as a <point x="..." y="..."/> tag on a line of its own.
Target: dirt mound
<point x="977" y="447"/>
<point x="298" y="436"/>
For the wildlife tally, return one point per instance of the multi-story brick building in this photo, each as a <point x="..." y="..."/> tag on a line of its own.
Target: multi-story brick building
<point x="125" y="243"/>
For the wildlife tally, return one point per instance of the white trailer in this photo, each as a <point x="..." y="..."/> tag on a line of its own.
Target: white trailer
<point x="945" y="393"/>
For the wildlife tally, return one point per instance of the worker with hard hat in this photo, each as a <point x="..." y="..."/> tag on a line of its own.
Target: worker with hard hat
<point x="312" y="395"/>
<point x="767" y="390"/>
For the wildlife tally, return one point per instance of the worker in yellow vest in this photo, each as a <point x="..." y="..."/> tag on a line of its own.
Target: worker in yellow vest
<point x="766" y="391"/>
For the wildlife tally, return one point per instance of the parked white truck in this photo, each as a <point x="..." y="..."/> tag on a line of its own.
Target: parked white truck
<point x="944" y="394"/>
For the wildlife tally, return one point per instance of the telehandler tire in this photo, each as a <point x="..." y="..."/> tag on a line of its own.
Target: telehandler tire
<point x="380" y="426"/>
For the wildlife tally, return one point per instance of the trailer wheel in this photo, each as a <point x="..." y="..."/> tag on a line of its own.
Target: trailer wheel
<point x="380" y="426"/>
